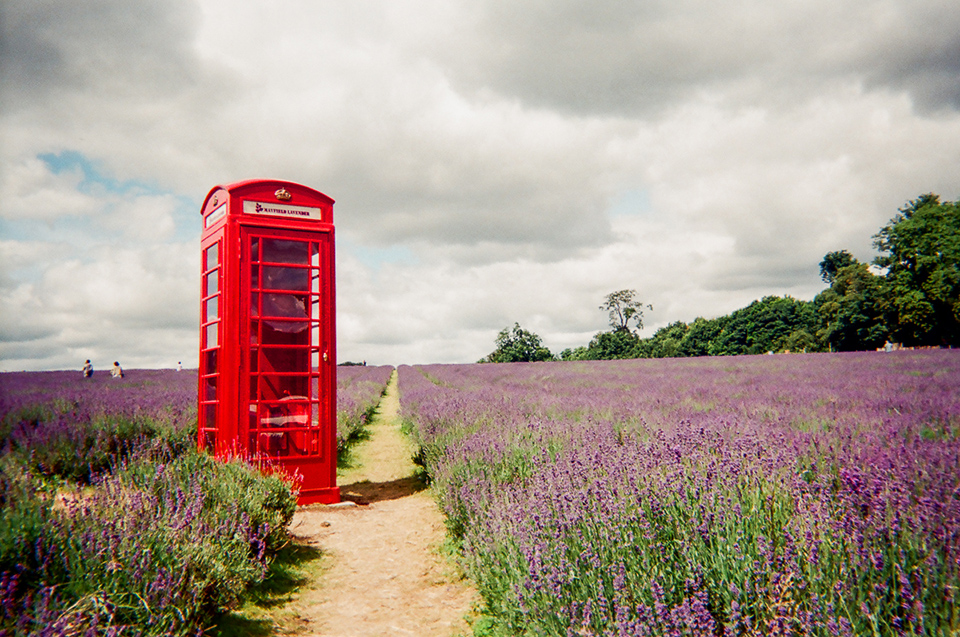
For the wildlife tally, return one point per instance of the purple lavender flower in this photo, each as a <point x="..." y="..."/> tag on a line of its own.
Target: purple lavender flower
<point x="785" y="479"/>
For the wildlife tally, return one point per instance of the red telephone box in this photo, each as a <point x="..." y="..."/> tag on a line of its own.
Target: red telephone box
<point x="267" y="333"/>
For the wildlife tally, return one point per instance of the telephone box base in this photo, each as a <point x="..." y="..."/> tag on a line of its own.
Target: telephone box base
<point x="325" y="495"/>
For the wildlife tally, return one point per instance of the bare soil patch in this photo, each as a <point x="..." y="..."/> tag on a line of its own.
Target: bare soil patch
<point x="384" y="572"/>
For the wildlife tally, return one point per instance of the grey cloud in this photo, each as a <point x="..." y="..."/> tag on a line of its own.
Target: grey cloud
<point x="94" y="306"/>
<point x="519" y="228"/>
<point x="23" y="329"/>
<point x="932" y="77"/>
<point x="49" y="47"/>
<point x="164" y="348"/>
<point x="764" y="274"/>
<point x="36" y="355"/>
<point x="913" y="46"/>
<point x="634" y="58"/>
<point x="520" y="198"/>
<point x="122" y="84"/>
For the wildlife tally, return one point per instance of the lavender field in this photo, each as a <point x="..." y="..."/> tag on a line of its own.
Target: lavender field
<point x="112" y="523"/>
<point x="768" y="495"/>
<point x="68" y="407"/>
<point x="63" y="424"/>
<point x="160" y="394"/>
<point x="359" y="389"/>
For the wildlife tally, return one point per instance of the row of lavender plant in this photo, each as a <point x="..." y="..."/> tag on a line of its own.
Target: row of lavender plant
<point x="166" y="537"/>
<point x="65" y="425"/>
<point x="165" y="396"/>
<point x="162" y="541"/>
<point x="787" y="495"/>
<point x="154" y="549"/>
<point x="73" y="427"/>
<point x="359" y="389"/>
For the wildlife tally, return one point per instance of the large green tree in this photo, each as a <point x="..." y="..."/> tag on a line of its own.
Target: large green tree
<point x="518" y="345"/>
<point x="772" y="324"/>
<point x="850" y="311"/>
<point x="579" y="353"/>
<point x="620" y="343"/>
<point x="922" y="261"/>
<point x="700" y="336"/>
<point x="665" y="343"/>
<point x="623" y="309"/>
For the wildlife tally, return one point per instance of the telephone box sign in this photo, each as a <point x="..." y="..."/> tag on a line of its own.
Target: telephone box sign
<point x="281" y="210"/>
<point x="267" y="385"/>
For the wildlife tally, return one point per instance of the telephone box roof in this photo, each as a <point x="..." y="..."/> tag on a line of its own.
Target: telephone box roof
<point x="251" y="187"/>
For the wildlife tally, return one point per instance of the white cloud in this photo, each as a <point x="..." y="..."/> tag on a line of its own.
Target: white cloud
<point x="30" y="190"/>
<point x="148" y="217"/>
<point x="135" y="305"/>
<point x="491" y="162"/>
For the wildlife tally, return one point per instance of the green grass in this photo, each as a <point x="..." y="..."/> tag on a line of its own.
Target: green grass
<point x="267" y="606"/>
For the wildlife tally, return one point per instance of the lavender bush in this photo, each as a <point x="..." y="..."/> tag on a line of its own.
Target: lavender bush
<point x="166" y="396"/>
<point x="770" y="495"/>
<point x="154" y="549"/>
<point x="359" y="389"/>
<point x="162" y="540"/>
<point x="64" y="425"/>
<point x="61" y="424"/>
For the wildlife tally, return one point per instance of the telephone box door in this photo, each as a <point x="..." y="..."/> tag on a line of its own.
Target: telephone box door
<point x="288" y="333"/>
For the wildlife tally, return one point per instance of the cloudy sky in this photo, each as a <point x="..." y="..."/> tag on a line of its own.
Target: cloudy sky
<point x="492" y="161"/>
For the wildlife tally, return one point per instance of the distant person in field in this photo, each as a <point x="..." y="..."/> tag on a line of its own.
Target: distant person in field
<point x="179" y="366"/>
<point x="87" y="369"/>
<point x="116" y="372"/>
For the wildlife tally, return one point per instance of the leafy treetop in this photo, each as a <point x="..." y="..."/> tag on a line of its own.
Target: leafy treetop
<point x="922" y="261"/>
<point x="518" y="345"/>
<point x="833" y="262"/>
<point x="623" y="307"/>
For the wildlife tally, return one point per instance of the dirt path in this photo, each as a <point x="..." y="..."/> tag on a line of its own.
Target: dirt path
<point x="384" y="573"/>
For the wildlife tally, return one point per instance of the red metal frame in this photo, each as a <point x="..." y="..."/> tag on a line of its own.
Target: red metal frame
<point x="267" y="386"/>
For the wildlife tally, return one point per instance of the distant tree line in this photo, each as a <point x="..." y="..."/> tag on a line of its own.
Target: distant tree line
<point x="909" y="296"/>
